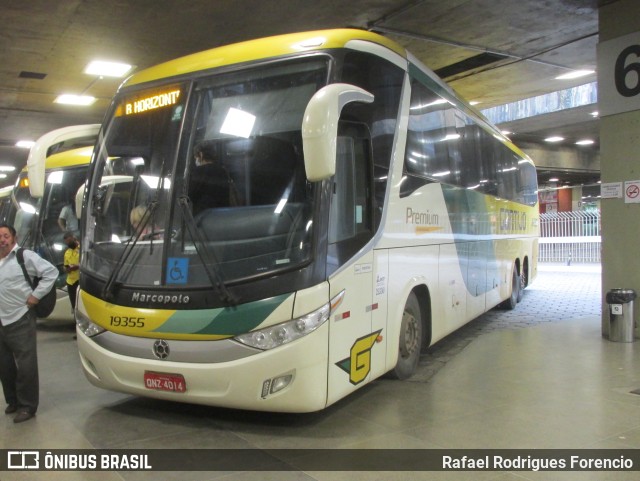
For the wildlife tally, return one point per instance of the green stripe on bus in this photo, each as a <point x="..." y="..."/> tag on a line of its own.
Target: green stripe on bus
<point x="226" y="321"/>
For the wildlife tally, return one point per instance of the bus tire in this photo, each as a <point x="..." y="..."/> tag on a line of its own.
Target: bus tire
<point x="512" y="301"/>
<point x="410" y="339"/>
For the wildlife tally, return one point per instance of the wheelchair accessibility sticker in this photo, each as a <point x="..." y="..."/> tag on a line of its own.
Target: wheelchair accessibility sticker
<point x="177" y="270"/>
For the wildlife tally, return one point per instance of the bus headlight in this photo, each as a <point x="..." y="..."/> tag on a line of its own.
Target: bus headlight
<point x="87" y="327"/>
<point x="274" y="336"/>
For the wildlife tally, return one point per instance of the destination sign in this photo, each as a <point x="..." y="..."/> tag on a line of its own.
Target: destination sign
<point x="152" y="102"/>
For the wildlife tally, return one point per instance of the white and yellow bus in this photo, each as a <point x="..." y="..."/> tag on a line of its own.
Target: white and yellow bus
<point x="46" y="188"/>
<point x="356" y="212"/>
<point x="5" y="203"/>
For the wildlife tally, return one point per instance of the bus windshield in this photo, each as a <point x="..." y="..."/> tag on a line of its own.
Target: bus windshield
<point x="203" y="181"/>
<point x="41" y="222"/>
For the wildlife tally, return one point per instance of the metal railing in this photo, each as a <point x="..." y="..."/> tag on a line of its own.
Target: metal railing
<point x="570" y="237"/>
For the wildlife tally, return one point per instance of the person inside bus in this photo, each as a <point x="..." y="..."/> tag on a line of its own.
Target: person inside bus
<point x="67" y="219"/>
<point x="150" y="230"/>
<point x="210" y="184"/>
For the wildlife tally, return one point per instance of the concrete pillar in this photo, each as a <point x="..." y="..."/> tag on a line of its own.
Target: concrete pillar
<point x="620" y="162"/>
<point x="576" y="198"/>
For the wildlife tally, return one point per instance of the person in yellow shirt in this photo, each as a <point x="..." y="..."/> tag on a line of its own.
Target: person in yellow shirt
<point x="72" y="266"/>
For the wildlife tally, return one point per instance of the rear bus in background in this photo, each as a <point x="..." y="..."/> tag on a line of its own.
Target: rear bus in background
<point x="5" y="203"/>
<point x="43" y="204"/>
<point x="352" y="211"/>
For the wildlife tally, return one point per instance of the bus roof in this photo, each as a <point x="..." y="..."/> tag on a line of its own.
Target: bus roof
<point x="258" y="49"/>
<point x="68" y="158"/>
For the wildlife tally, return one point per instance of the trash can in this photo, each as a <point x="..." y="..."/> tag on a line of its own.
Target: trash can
<point x="621" y="314"/>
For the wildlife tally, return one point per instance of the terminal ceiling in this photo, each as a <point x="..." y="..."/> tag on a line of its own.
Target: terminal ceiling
<point x="490" y="51"/>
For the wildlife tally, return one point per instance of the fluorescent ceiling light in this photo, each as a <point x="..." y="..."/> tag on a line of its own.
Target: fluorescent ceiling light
<point x="238" y="123"/>
<point x="474" y="102"/>
<point x="3" y="176"/>
<point x="107" y="69"/>
<point x="55" y="177"/>
<point x="70" y="99"/>
<point x="153" y="181"/>
<point x="554" y="139"/>
<point x="575" y="74"/>
<point x="309" y="43"/>
<point x="595" y="113"/>
<point x="585" y="142"/>
<point x="25" y="144"/>
<point x="430" y="104"/>
<point x="554" y="179"/>
<point x="7" y="168"/>
<point x="451" y="137"/>
<point x="28" y="208"/>
<point x="280" y="206"/>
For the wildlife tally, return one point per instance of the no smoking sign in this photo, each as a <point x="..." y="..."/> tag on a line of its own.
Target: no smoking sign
<point x="632" y="191"/>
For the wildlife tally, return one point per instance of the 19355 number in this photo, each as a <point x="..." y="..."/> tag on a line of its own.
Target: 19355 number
<point x="123" y="321"/>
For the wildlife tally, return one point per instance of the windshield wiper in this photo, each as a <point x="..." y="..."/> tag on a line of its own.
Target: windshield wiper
<point x="149" y="214"/>
<point x="208" y="259"/>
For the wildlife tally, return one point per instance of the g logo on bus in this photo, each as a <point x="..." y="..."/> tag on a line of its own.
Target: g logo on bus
<point x="358" y="364"/>
<point x="161" y="349"/>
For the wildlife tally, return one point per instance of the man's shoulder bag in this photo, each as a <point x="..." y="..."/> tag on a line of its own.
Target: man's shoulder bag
<point x="48" y="301"/>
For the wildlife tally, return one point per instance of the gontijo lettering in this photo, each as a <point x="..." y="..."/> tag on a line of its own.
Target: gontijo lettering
<point x="512" y="220"/>
<point x="152" y="102"/>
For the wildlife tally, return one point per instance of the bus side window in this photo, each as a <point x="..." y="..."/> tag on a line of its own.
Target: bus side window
<point x="343" y="216"/>
<point x="350" y="214"/>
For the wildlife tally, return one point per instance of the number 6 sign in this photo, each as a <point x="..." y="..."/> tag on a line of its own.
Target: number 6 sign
<point x="619" y="75"/>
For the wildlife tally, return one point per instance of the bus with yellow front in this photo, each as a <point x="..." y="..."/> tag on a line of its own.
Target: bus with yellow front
<point x="312" y="211"/>
<point x="43" y="203"/>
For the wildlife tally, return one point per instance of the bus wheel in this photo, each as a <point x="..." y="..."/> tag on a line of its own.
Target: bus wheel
<point x="512" y="301"/>
<point x="410" y="339"/>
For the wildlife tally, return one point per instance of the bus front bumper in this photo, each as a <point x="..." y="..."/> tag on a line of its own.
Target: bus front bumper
<point x="290" y="378"/>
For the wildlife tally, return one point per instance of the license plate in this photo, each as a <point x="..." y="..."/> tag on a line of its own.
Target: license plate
<point x="162" y="381"/>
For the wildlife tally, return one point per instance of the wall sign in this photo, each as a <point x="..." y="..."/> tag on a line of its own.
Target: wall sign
<point x="611" y="190"/>
<point x="632" y="192"/>
<point x="619" y="75"/>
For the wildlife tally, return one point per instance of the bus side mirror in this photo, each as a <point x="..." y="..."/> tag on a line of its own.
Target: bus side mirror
<point x="320" y="127"/>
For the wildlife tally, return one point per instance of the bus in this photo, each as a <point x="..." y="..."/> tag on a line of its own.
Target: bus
<point x="5" y="203"/>
<point x="43" y="201"/>
<point x="353" y="212"/>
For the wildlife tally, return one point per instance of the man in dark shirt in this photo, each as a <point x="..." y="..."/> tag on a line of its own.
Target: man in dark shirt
<point x="209" y="182"/>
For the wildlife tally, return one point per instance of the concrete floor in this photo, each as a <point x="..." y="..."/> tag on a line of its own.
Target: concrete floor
<point x="537" y="377"/>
